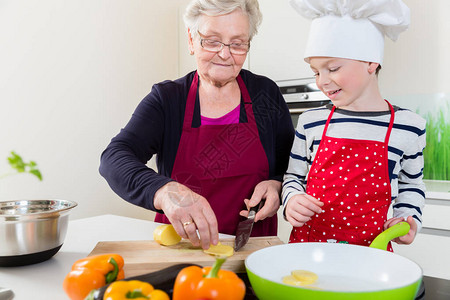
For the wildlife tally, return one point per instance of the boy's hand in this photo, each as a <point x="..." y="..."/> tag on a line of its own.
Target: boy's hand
<point x="301" y="208"/>
<point x="409" y="237"/>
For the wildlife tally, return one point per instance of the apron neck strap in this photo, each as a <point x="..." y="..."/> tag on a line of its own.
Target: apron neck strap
<point x="244" y="91"/>
<point x="391" y="123"/>
<point x="328" y="122"/>
<point x="388" y="133"/>
<point x="247" y="100"/>
<point x="190" y="102"/>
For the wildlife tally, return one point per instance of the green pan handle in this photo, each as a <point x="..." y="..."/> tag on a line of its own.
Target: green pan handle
<point x="382" y="240"/>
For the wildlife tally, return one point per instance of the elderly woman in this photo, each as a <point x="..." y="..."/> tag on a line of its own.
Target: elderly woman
<point x="222" y="135"/>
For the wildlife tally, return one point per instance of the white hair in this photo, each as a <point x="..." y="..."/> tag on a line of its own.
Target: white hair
<point x="222" y="7"/>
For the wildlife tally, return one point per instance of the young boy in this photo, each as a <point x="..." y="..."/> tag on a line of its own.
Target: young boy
<point x="352" y="159"/>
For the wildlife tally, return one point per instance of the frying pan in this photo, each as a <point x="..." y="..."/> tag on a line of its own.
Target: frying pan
<point x="344" y="271"/>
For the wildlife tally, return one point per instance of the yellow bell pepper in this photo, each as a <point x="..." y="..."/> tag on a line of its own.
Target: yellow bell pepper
<point x="133" y="289"/>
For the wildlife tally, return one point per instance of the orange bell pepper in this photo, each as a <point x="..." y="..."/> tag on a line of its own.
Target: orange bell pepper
<point x="133" y="289"/>
<point x="92" y="272"/>
<point x="208" y="283"/>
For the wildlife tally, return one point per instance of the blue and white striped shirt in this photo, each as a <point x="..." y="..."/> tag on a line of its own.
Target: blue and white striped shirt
<point x="405" y="152"/>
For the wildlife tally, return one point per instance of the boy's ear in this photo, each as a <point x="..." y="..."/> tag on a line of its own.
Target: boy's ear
<point x="372" y="67"/>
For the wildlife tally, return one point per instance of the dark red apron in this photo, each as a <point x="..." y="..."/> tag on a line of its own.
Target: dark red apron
<point x="223" y="163"/>
<point x="351" y="177"/>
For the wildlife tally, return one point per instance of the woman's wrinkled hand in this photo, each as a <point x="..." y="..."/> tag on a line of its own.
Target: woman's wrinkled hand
<point x="409" y="237"/>
<point x="188" y="212"/>
<point x="268" y="190"/>
<point x="300" y="208"/>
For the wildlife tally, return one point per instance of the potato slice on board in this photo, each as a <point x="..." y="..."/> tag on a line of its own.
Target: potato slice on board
<point x="220" y="250"/>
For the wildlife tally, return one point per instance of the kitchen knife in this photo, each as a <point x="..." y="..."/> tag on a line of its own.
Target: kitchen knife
<point x="245" y="227"/>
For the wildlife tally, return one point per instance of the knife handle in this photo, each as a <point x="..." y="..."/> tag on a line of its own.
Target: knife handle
<point x="255" y="209"/>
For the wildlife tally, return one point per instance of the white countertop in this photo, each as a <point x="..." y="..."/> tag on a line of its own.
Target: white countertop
<point x="44" y="280"/>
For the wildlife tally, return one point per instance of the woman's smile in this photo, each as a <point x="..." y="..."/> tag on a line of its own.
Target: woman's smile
<point x="221" y="64"/>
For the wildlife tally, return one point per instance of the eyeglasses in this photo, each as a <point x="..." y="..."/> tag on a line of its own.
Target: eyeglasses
<point x="216" y="46"/>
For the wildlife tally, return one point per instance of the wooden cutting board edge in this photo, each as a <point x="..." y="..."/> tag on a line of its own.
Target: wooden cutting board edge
<point x="136" y="265"/>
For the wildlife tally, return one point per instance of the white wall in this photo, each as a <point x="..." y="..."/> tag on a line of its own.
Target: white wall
<point x="418" y="62"/>
<point x="71" y="74"/>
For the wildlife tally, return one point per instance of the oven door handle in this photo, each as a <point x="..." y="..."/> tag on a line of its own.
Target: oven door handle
<point x="296" y="110"/>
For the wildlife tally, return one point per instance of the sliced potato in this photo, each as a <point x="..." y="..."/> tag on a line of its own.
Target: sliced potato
<point x="220" y="250"/>
<point x="166" y="235"/>
<point x="307" y="277"/>
<point x="291" y="280"/>
<point x="300" y="278"/>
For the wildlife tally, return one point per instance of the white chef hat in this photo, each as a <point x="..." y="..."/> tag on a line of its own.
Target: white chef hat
<point x="353" y="29"/>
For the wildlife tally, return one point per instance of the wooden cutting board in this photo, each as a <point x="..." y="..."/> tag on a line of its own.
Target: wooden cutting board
<point x="148" y="256"/>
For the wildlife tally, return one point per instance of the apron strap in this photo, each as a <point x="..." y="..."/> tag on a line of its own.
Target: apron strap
<point x="388" y="133"/>
<point x="391" y="123"/>
<point x="190" y="103"/>
<point x="247" y="100"/>
<point x="328" y="122"/>
<point x="244" y="91"/>
<point x="386" y="146"/>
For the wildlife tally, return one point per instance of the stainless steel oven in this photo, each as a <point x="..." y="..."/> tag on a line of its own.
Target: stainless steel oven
<point x="300" y="95"/>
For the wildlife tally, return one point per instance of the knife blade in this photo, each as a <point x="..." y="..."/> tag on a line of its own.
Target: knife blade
<point x="244" y="228"/>
<point x="6" y="294"/>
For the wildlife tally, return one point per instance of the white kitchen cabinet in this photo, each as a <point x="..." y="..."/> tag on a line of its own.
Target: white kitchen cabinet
<point x="436" y="214"/>
<point x="277" y="50"/>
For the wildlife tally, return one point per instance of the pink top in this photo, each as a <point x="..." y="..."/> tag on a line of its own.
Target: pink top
<point x="230" y="118"/>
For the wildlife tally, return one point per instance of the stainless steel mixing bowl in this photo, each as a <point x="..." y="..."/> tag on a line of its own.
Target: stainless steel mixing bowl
<point x="32" y="231"/>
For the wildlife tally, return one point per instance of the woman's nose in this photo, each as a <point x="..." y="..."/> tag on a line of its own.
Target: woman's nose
<point x="224" y="53"/>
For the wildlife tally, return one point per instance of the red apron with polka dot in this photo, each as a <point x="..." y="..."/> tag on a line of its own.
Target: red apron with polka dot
<point x="351" y="178"/>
